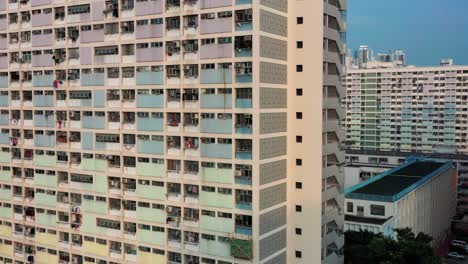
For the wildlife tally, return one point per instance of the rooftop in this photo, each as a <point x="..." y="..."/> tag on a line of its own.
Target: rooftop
<point x="395" y="183"/>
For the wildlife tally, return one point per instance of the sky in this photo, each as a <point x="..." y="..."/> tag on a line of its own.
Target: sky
<point x="427" y="30"/>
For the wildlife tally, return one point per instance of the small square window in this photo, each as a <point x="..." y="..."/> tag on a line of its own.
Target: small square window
<point x="298" y="115"/>
<point x="300" y="20"/>
<point x="299" y="162"/>
<point x="299" y="92"/>
<point x="299" y="68"/>
<point x="298" y="185"/>
<point x="299" y="139"/>
<point x="298" y="231"/>
<point x="299" y="44"/>
<point x="298" y="208"/>
<point x="298" y="254"/>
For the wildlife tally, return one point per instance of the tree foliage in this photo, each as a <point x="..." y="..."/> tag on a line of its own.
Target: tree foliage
<point x="364" y="247"/>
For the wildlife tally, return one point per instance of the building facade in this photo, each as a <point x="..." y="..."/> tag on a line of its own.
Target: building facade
<point x="420" y="194"/>
<point x="408" y="109"/>
<point x="154" y="131"/>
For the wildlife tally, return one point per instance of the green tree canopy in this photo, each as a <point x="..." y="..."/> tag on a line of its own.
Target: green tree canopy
<point x="363" y="247"/>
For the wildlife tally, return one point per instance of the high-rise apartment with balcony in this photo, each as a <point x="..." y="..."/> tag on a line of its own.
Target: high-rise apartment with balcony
<point x="171" y="131"/>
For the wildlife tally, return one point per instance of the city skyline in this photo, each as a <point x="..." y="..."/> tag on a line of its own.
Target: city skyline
<point x="413" y="32"/>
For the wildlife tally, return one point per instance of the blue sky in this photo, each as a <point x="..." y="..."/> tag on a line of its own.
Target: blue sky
<point x="427" y="30"/>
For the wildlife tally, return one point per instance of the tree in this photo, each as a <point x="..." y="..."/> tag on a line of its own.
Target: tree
<point x="363" y="247"/>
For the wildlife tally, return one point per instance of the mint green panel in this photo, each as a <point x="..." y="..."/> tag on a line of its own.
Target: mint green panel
<point x="217" y="175"/>
<point x="150" y="192"/>
<point x="97" y="207"/>
<point x="45" y="180"/>
<point x="150" y="169"/>
<point x="100" y="183"/>
<point x="46" y="219"/>
<point x="5" y="157"/>
<point x="6" y="212"/>
<point x="218" y="224"/>
<point x="5" y="176"/>
<point x="93" y="165"/>
<point x="45" y="160"/>
<point x="45" y="199"/>
<point x="151" y="215"/>
<point x="5" y="194"/>
<point x="150" y="237"/>
<point x="216" y="200"/>
<point x="215" y="248"/>
<point x="89" y="224"/>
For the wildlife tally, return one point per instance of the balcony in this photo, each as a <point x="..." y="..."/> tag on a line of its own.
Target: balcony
<point x="150" y="191"/>
<point x="149" y="55"/>
<point x="220" y="151"/>
<point x="216" y="25"/>
<point x="150" y="78"/>
<point x="42" y="60"/>
<point x="48" y="200"/>
<point x="45" y="160"/>
<point x="216" y="126"/>
<point x="3" y="81"/>
<point x="150" y="146"/>
<point x="43" y="100"/>
<point x="151" y="214"/>
<point x="42" y="40"/>
<point x="92" y="79"/>
<point x="45" y="180"/>
<point x="44" y="140"/>
<point x="149" y="31"/>
<point x="243" y="103"/>
<point x="93" y="206"/>
<point x="150" y="124"/>
<point x="4" y="119"/>
<point x="90" y="36"/>
<point x="150" y="7"/>
<point x="44" y="121"/>
<point x="215" y="51"/>
<point x="205" y="4"/>
<point x="215" y="248"/>
<point x="150" y="101"/>
<point x="216" y="101"/>
<point x="150" y="169"/>
<point x="244" y="230"/>
<point x="93" y="122"/>
<point x="4" y="100"/>
<point x="107" y="59"/>
<point x="93" y="164"/>
<point x="216" y="199"/>
<point x="243" y="25"/>
<point x="40" y="20"/>
<point x="40" y="2"/>
<point x="43" y="80"/>
<point x="151" y="237"/>
<point x="212" y="76"/>
<point x="243" y="2"/>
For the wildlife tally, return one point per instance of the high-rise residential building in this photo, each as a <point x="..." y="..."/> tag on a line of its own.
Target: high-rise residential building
<point x="169" y="131"/>
<point x="364" y="55"/>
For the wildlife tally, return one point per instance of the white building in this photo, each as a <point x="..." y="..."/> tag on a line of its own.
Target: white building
<point x="420" y="194"/>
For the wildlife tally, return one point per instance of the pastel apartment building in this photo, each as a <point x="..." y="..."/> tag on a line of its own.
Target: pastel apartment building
<point x="169" y="131"/>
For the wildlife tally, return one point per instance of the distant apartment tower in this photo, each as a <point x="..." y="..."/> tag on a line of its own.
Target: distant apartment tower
<point x="364" y="55"/>
<point x="169" y="131"/>
<point x="409" y="109"/>
<point x="420" y="194"/>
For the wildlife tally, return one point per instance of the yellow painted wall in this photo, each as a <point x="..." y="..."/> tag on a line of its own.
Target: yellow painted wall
<point x="147" y="257"/>
<point x="95" y="249"/>
<point x="46" y="239"/>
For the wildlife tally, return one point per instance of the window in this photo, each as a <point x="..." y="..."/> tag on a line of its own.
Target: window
<point x="349" y="207"/>
<point x="298" y="162"/>
<point x="300" y="20"/>
<point x="299" y="231"/>
<point x="299" y="139"/>
<point x="298" y="115"/>
<point x="299" y="44"/>
<point x="377" y="210"/>
<point x="299" y="92"/>
<point x="298" y="185"/>
<point x="299" y="68"/>
<point x="298" y="208"/>
<point x="298" y="254"/>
